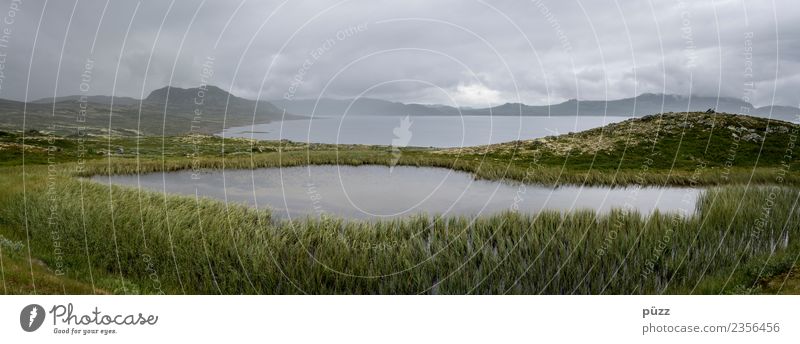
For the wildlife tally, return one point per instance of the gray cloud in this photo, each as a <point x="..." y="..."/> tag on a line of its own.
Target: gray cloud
<point x="469" y="53"/>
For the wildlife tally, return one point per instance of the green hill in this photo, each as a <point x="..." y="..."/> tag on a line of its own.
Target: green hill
<point x="662" y="141"/>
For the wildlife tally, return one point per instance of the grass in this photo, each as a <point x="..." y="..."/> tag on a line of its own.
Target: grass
<point x="741" y="239"/>
<point x="21" y="275"/>
<point x="663" y="149"/>
<point x="175" y="244"/>
<point x="667" y="149"/>
<point x="785" y="283"/>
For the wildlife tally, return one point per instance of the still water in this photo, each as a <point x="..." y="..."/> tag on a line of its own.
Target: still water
<point x="420" y="131"/>
<point x="375" y="192"/>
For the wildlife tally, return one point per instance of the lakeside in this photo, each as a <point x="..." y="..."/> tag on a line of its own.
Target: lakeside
<point x="730" y="246"/>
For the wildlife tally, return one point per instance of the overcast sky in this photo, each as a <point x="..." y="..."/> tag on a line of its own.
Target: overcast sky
<point x="459" y="52"/>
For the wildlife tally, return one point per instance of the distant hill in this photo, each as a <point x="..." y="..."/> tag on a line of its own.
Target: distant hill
<point x="165" y="111"/>
<point x="662" y="141"/>
<point x="327" y="107"/>
<point x="91" y="99"/>
<point x="641" y="105"/>
<point x="646" y="104"/>
<point x="179" y="105"/>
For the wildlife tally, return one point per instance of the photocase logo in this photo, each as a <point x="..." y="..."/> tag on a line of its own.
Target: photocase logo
<point x="31" y="317"/>
<point x="402" y="136"/>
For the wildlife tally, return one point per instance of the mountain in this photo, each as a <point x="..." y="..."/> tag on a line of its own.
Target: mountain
<point x="326" y="107"/>
<point x="165" y="111"/>
<point x="641" y="105"/>
<point x="175" y="111"/>
<point x="210" y="96"/>
<point x="90" y="99"/>
<point x="787" y="113"/>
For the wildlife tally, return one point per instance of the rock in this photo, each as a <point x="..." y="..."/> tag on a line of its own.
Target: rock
<point x="777" y="129"/>
<point x="752" y="137"/>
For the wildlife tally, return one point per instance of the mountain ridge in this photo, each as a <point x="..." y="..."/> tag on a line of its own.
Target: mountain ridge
<point x="168" y="110"/>
<point x="641" y="105"/>
<point x="172" y="110"/>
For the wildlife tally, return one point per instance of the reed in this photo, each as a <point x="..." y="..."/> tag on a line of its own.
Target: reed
<point x="151" y="243"/>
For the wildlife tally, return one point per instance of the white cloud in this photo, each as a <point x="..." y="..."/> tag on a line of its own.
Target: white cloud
<point x="476" y="95"/>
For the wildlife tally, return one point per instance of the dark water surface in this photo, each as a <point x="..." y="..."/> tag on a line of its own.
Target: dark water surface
<point x="373" y="192"/>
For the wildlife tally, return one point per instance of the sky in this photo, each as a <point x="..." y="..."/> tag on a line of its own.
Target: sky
<point x="453" y="52"/>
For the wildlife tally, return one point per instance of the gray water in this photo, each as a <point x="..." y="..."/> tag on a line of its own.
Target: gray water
<point x="375" y="192"/>
<point x="419" y="131"/>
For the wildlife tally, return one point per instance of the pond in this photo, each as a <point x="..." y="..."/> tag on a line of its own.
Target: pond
<point x="380" y="192"/>
<point x="420" y="131"/>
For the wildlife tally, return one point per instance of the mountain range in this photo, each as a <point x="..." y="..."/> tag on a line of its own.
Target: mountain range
<point x="176" y="111"/>
<point x="166" y="111"/>
<point x="641" y="105"/>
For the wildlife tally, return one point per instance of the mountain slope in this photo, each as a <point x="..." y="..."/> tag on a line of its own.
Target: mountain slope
<point x="641" y="105"/>
<point x="686" y="141"/>
<point x="90" y="99"/>
<point x="173" y="110"/>
<point x="166" y="111"/>
<point x="645" y="104"/>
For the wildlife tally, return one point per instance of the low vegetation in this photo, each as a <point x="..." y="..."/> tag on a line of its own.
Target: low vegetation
<point x="742" y="238"/>
<point x="714" y="145"/>
<point x="21" y="275"/>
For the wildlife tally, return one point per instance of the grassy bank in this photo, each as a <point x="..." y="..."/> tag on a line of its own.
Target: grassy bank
<point x="155" y="243"/>
<point x="667" y="149"/>
<point x="741" y="239"/>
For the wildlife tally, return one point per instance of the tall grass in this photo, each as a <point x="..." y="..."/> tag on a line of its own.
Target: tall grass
<point x="480" y="168"/>
<point x="178" y="244"/>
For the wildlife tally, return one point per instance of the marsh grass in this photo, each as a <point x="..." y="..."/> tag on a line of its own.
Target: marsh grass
<point x="487" y="169"/>
<point x="174" y="244"/>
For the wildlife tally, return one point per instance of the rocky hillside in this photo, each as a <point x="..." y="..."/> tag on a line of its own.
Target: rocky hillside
<point x="667" y="140"/>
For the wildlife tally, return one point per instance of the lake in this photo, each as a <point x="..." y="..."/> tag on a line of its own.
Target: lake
<point x="420" y="131"/>
<point x="378" y="192"/>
